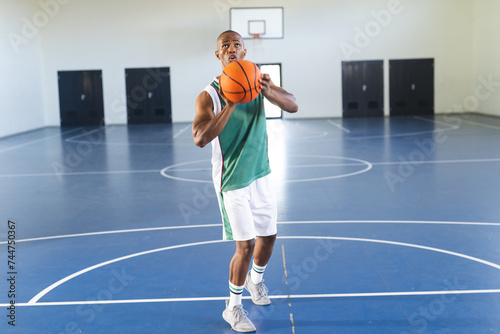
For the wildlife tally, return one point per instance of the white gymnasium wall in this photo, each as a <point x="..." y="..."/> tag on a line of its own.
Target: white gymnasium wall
<point x="21" y="99"/>
<point x="487" y="56"/>
<point x="322" y="34"/>
<point x="113" y="35"/>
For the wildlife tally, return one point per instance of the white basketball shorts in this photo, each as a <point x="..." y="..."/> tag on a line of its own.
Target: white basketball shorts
<point x="249" y="212"/>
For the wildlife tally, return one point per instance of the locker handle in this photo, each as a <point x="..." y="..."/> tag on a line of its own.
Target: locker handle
<point x="83" y="97"/>
<point x="364" y="88"/>
<point x="413" y="86"/>
<point x="150" y="95"/>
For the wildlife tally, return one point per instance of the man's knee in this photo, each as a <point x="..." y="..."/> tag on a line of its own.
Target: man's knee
<point x="268" y="241"/>
<point x="245" y="248"/>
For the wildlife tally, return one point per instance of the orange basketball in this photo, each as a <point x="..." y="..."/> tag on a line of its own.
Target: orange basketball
<point x="240" y="81"/>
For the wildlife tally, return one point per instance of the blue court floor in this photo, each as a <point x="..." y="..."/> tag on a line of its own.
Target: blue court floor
<point x="386" y="225"/>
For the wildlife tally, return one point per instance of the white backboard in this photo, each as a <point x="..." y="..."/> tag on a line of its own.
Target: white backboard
<point x="266" y="21"/>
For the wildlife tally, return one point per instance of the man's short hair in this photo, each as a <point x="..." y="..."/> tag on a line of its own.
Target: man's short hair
<point x="229" y="31"/>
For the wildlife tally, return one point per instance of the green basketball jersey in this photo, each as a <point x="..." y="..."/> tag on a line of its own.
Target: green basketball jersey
<point x="239" y="153"/>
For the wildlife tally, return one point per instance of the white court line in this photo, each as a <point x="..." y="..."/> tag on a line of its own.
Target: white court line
<point x="83" y="173"/>
<point x="181" y="131"/>
<point x="358" y="164"/>
<point x="451" y="127"/>
<point x="201" y="169"/>
<point x="102" y="264"/>
<point x="172" y="168"/>
<point x="315" y="136"/>
<point x="352" y="164"/>
<point x="288" y="166"/>
<point x="175" y="168"/>
<point x="483" y="125"/>
<point x="392" y="135"/>
<point x="461" y="119"/>
<point x="434" y="121"/>
<point x="114" y="232"/>
<point x="164" y="171"/>
<point x="339" y="126"/>
<point x="85" y="133"/>
<point x="438" y="162"/>
<point x="73" y="139"/>
<point x="311" y="296"/>
<point x="45" y="291"/>
<point x="396" y="243"/>
<point x="389" y="222"/>
<point x="38" y="140"/>
<point x="282" y="223"/>
<point x="136" y="144"/>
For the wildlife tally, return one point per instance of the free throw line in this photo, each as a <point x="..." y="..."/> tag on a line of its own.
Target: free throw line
<point x="202" y="299"/>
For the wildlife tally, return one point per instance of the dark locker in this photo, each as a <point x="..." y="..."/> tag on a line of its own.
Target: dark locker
<point x="81" y="98"/>
<point x="363" y="88"/>
<point x="148" y="95"/>
<point x="411" y="87"/>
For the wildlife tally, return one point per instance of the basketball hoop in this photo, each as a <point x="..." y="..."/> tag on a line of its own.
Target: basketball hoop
<point x="256" y="41"/>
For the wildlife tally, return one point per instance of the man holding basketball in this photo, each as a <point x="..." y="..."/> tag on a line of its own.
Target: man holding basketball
<point x="241" y="177"/>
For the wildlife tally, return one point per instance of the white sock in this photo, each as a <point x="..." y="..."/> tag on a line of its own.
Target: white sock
<point x="257" y="273"/>
<point x="235" y="293"/>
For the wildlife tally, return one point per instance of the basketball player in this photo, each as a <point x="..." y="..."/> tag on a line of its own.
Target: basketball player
<point x="241" y="178"/>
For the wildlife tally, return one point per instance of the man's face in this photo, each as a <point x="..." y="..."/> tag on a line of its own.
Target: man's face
<point x="230" y="48"/>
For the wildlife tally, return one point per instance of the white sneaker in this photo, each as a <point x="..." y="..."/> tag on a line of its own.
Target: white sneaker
<point x="257" y="291"/>
<point x="237" y="318"/>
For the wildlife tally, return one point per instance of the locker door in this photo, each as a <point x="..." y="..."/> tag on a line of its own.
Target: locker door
<point x="92" y="97"/>
<point x="363" y="88"/>
<point x="137" y="97"/>
<point x="81" y="98"/>
<point x="411" y="87"/>
<point x="148" y="95"/>
<point x="70" y="105"/>
<point x="159" y="96"/>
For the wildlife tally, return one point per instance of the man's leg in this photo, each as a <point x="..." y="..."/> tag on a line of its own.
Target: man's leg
<point x="263" y="250"/>
<point x="254" y="281"/>
<point x="262" y="253"/>
<point x="263" y="204"/>
<point x="240" y="262"/>
<point x="238" y="268"/>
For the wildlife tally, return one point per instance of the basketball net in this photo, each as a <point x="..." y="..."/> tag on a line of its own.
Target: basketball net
<point x="256" y="40"/>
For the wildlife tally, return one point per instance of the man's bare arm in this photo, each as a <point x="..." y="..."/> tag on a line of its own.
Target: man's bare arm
<point x="207" y="125"/>
<point x="277" y="95"/>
